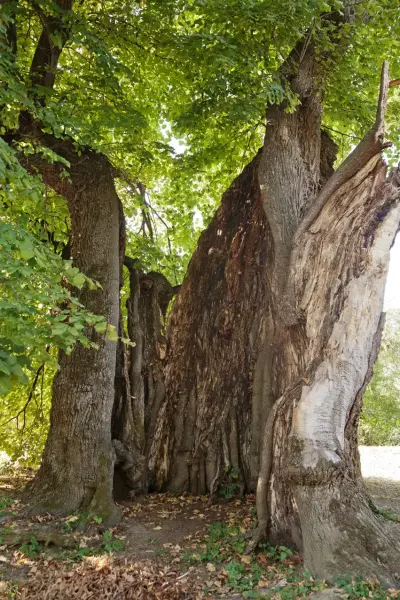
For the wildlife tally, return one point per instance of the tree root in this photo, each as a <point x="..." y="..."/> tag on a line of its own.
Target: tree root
<point x="48" y="539"/>
<point x="257" y="536"/>
<point x="262" y="502"/>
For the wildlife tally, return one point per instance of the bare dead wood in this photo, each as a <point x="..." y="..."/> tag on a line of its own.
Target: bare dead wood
<point x="371" y="144"/>
<point x="262" y="501"/>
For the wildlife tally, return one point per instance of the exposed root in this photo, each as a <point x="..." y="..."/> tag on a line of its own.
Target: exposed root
<point x="48" y="539"/>
<point x="257" y="536"/>
<point x="262" y="501"/>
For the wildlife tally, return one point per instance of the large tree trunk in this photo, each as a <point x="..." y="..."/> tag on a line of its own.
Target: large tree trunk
<point x="139" y="378"/>
<point x="78" y="461"/>
<point x="214" y="332"/>
<point x="303" y="319"/>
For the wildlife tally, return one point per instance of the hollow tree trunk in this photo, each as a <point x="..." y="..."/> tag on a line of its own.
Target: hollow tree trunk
<point x="334" y="269"/>
<point x="322" y="264"/>
<point x="339" y="283"/>
<point x="139" y="378"/>
<point x="78" y="460"/>
<point x="215" y="331"/>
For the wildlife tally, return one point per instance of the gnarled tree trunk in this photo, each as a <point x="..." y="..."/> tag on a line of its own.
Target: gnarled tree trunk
<point x="302" y="319"/>
<point x="203" y="429"/>
<point x="78" y="461"/>
<point x="139" y="378"/>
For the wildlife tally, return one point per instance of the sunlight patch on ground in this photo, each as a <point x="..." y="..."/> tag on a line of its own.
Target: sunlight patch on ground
<point x="381" y="461"/>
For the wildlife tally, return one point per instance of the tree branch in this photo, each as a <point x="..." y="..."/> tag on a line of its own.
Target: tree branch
<point x="27" y="403"/>
<point x="53" y="38"/>
<point x="371" y="145"/>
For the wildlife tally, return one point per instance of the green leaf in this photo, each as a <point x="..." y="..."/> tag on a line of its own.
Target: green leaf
<point x="101" y="327"/>
<point x="26" y="250"/>
<point x="78" y="280"/>
<point x="112" y="333"/>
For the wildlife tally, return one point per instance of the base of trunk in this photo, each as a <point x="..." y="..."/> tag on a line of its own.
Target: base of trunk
<point x="341" y="535"/>
<point x="64" y="496"/>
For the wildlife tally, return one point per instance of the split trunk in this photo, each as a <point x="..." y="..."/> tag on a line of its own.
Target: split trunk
<point x="274" y="334"/>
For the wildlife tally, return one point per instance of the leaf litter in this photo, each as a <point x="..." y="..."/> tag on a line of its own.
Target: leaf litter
<point x="174" y="548"/>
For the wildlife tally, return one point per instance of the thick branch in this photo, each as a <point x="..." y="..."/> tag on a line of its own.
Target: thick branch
<point x="370" y="145"/>
<point x="131" y="263"/>
<point x="51" y="43"/>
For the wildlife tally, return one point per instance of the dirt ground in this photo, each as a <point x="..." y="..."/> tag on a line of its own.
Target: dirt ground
<point x="164" y="547"/>
<point x="381" y="471"/>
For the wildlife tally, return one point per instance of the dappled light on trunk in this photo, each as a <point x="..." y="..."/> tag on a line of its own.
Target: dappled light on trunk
<point x="312" y="290"/>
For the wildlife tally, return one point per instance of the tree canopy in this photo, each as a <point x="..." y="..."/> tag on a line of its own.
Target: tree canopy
<point x="174" y="94"/>
<point x="231" y="154"/>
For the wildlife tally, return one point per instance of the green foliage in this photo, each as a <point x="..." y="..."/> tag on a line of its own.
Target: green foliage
<point x="31" y="548"/>
<point x="380" y="419"/>
<point x="24" y="416"/>
<point x="225" y="547"/>
<point x="174" y="92"/>
<point x="37" y="308"/>
<point x="222" y="542"/>
<point x="276" y="553"/>
<point x="386" y="514"/>
<point x="5" y="501"/>
<point x="241" y="578"/>
<point x="76" y="521"/>
<point x="356" y="587"/>
<point x="230" y="485"/>
<point x="40" y="312"/>
<point x="110" y="543"/>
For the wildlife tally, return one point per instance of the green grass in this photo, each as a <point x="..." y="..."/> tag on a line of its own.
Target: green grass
<point x="357" y="587"/>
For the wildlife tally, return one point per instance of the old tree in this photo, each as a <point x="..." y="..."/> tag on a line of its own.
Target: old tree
<point x="272" y="337"/>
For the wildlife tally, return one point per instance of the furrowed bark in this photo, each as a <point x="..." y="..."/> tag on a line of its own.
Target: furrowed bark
<point x="316" y="327"/>
<point x="127" y="420"/>
<point x="78" y="461"/>
<point x="216" y="329"/>
<point x="357" y="228"/>
<point x="140" y="370"/>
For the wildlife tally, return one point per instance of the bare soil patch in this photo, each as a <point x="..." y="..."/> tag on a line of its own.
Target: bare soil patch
<point x="381" y="471"/>
<point x="161" y="549"/>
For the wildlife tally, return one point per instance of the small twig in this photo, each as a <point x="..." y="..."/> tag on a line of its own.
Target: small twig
<point x="23" y="409"/>
<point x="355" y="137"/>
<point x="168" y="583"/>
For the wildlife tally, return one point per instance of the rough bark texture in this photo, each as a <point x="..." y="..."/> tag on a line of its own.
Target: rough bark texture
<point x="348" y="246"/>
<point x="127" y="422"/>
<point x="78" y="461"/>
<point x="329" y="307"/>
<point x="139" y="378"/>
<point x="203" y="431"/>
<point x="287" y="302"/>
